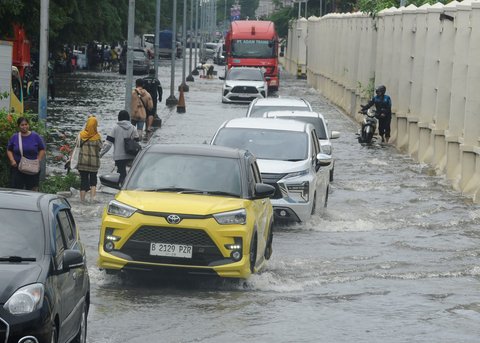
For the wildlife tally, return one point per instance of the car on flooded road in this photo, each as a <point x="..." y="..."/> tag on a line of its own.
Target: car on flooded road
<point x="324" y="134"/>
<point x="258" y="107"/>
<point x="190" y="209"/>
<point x="44" y="282"/>
<point x="243" y="84"/>
<point x="290" y="159"/>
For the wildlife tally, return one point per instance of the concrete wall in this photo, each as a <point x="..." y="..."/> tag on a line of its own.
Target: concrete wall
<point x="428" y="58"/>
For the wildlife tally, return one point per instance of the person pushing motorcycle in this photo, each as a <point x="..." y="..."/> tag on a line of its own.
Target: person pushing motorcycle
<point x="383" y="105"/>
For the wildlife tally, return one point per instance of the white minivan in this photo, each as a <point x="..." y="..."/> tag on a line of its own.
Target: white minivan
<point x="290" y="159"/>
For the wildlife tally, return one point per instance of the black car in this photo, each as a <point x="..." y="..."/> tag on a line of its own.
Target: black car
<point x="44" y="282"/>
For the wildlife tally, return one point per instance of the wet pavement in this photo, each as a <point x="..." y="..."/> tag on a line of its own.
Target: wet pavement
<point x="394" y="257"/>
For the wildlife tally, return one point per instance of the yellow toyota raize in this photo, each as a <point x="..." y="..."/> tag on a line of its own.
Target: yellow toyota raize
<point x="200" y="209"/>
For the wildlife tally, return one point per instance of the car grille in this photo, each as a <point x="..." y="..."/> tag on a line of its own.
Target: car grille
<point x="205" y="250"/>
<point x="237" y="98"/>
<point x="272" y="179"/>
<point x="245" y="89"/>
<point x="3" y="331"/>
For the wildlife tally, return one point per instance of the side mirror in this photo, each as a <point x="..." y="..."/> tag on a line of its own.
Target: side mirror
<point x="262" y="190"/>
<point x="221" y="77"/>
<point x="110" y="180"/>
<point x="324" y="160"/>
<point x="72" y="259"/>
<point x="335" y="135"/>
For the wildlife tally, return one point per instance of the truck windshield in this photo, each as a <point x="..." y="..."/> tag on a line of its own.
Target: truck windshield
<point x="251" y="48"/>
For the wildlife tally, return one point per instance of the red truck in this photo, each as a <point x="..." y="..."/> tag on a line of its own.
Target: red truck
<point x="252" y="43"/>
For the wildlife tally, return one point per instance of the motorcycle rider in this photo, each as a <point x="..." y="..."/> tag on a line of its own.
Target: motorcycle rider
<point x="383" y="105"/>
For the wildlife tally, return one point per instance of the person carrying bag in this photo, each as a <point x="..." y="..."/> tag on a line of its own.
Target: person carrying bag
<point x="25" y="150"/>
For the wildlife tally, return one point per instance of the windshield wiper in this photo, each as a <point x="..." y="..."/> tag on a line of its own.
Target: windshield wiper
<point x="222" y="193"/>
<point x="17" y="259"/>
<point x="173" y="189"/>
<point x="294" y="160"/>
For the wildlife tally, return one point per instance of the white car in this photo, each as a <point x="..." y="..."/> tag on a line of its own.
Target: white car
<point x="324" y="135"/>
<point x="289" y="157"/>
<point x="243" y="84"/>
<point x="259" y="106"/>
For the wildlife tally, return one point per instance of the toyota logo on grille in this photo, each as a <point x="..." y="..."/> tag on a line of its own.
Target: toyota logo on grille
<point x="244" y="88"/>
<point x="173" y="219"/>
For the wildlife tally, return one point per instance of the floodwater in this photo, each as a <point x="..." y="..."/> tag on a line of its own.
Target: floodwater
<point x="394" y="258"/>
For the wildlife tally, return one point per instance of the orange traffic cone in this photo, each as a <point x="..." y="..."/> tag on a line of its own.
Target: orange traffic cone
<point x="181" y="102"/>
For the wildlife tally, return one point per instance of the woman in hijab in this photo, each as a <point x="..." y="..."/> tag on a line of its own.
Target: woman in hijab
<point x="90" y="143"/>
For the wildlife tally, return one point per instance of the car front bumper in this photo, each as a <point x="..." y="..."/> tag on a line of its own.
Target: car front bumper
<point x="36" y="324"/>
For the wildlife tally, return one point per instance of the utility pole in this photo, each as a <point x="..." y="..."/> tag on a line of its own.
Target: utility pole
<point x="321" y="8"/>
<point x="43" y="68"/>
<point x="172" y="100"/>
<point x="184" y="85"/>
<point x="157" y="37"/>
<point x="402" y="3"/>
<point x="131" y="27"/>
<point x="190" y="77"/>
<point x="195" y="71"/>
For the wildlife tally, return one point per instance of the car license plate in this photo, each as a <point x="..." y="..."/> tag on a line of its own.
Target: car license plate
<point x="171" y="250"/>
<point x="245" y="95"/>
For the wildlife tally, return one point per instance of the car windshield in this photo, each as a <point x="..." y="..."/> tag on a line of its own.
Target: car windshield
<point x="249" y="74"/>
<point x="266" y="144"/>
<point x="162" y="171"/>
<point x="253" y="48"/>
<point x="317" y="122"/>
<point x="138" y="54"/>
<point x="21" y="233"/>
<point x="259" y="111"/>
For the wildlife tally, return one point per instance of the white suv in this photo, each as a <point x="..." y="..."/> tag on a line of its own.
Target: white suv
<point x="324" y="135"/>
<point x="289" y="157"/>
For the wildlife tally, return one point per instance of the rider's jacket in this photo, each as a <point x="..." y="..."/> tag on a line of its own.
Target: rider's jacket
<point x="383" y="104"/>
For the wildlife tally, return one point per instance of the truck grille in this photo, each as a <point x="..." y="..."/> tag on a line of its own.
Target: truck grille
<point x="3" y="331"/>
<point x="272" y="179"/>
<point x="245" y="89"/>
<point x="205" y="250"/>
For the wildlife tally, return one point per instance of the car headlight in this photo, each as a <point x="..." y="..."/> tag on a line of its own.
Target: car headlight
<point x="327" y="149"/>
<point x="299" y="192"/>
<point x="296" y="174"/>
<point x="231" y="217"/>
<point x="117" y="208"/>
<point x="227" y="87"/>
<point x="26" y="300"/>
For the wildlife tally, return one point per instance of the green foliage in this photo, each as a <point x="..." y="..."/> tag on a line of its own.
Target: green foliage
<point x="59" y="183"/>
<point x="281" y="23"/>
<point x="372" y="7"/>
<point x="366" y="91"/>
<point x="8" y="126"/>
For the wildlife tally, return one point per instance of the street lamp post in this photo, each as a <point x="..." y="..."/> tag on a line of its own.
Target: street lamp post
<point x="43" y="68"/>
<point x="195" y="71"/>
<point x="190" y="77"/>
<point x="157" y="37"/>
<point x="184" y="85"/>
<point x="172" y="100"/>
<point x="128" y="82"/>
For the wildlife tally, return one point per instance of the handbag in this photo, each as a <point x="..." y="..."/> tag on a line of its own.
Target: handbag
<point x="27" y="166"/>
<point x="75" y="154"/>
<point x="132" y="147"/>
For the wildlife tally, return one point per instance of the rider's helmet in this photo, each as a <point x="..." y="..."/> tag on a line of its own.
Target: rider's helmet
<point x="381" y="90"/>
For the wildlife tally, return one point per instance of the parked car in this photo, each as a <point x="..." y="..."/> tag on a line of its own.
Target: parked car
<point x="243" y="84"/>
<point x="258" y="107"/>
<point x="188" y="208"/>
<point x="209" y="50"/>
<point x="44" y="282"/>
<point x="141" y="62"/>
<point x="290" y="159"/>
<point x="324" y="135"/>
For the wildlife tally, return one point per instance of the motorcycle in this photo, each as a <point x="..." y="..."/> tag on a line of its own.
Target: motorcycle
<point x="369" y="126"/>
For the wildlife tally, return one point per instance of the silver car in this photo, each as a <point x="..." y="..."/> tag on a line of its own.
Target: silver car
<point x="259" y="106"/>
<point x="289" y="157"/>
<point x="243" y="84"/>
<point x="324" y="135"/>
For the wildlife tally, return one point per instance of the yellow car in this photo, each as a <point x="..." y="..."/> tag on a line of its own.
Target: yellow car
<point x="198" y="209"/>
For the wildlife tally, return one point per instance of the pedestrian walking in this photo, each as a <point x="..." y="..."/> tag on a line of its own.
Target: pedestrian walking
<point x="122" y="129"/>
<point x="25" y="144"/>
<point x="153" y="86"/>
<point x="89" y="143"/>
<point x="140" y="105"/>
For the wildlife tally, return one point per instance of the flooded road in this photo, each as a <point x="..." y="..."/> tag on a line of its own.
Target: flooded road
<point x="394" y="258"/>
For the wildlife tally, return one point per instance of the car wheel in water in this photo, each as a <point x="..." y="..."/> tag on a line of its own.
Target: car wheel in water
<point x="253" y="254"/>
<point x="81" y="336"/>
<point x="269" y="246"/>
